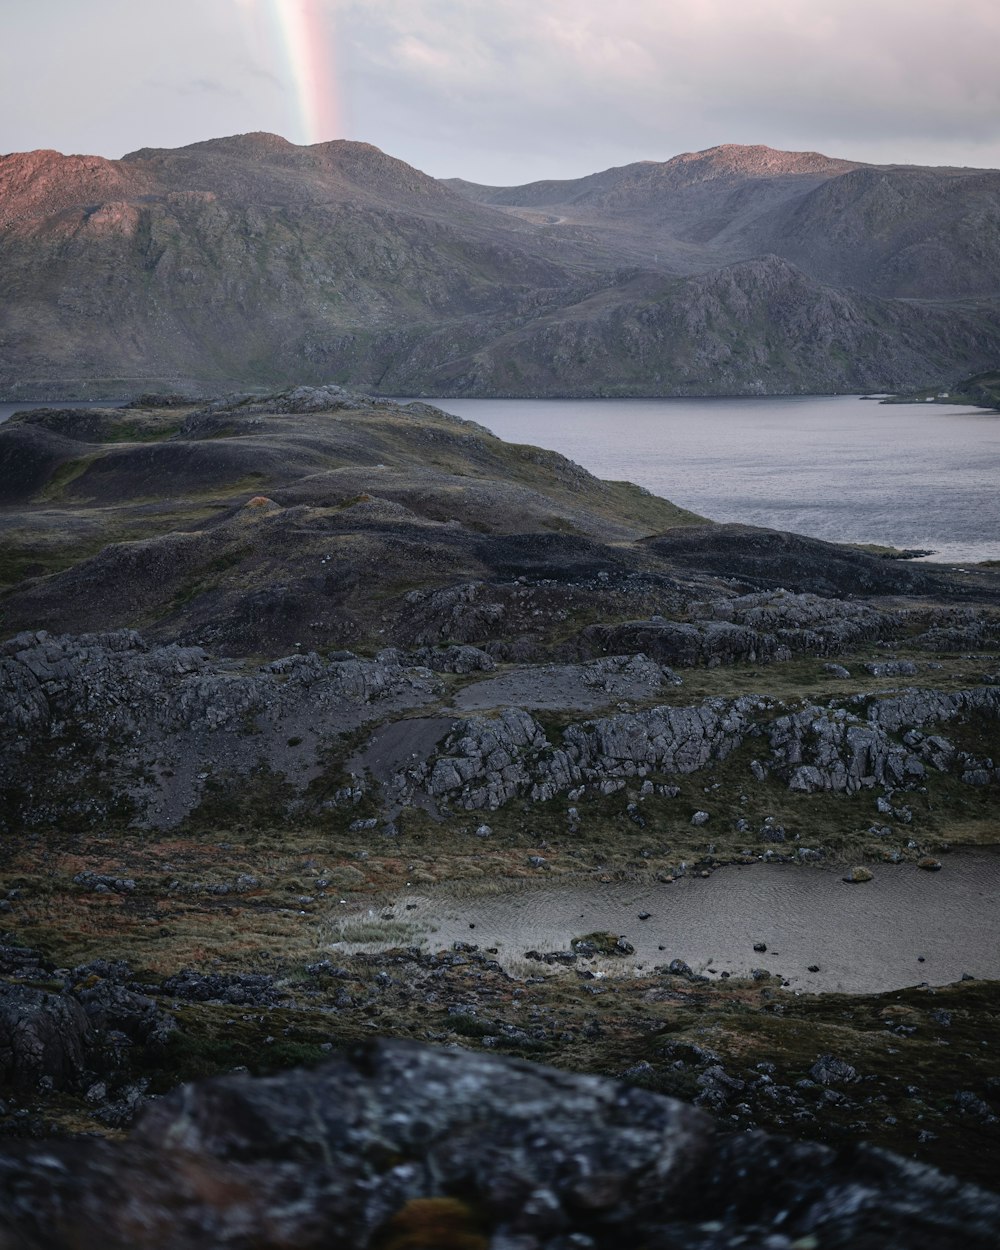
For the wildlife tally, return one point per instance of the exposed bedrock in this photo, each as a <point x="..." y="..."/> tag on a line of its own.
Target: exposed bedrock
<point x="486" y="761"/>
<point x="81" y="1038"/>
<point x="105" y="726"/>
<point x="385" y="1147"/>
<point x="516" y="622"/>
<point x="102" y="724"/>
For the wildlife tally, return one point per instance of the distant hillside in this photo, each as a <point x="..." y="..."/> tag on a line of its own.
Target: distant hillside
<point x="982" y="390"/>
<point x="914" y="233"/>
<point x="238" y="259"/>
<point x="760" y="327"/>
<point x="249" y="261"/>
<point x="671" y="209"/>
<point x="888" y="230"/>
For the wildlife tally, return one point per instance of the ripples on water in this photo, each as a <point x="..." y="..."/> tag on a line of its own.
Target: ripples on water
<point x="835" y="467"/>
<point x="865" y="938"/>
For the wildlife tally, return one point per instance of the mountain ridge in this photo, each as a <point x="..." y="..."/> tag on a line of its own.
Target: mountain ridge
<point x="250" y="260"/>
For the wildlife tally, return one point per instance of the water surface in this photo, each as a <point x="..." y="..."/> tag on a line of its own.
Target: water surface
<point x="864" y="938"/>
<point x="836" y="467"/>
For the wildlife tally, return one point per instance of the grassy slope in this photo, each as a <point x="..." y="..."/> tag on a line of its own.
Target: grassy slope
<point x="173" y="919"/>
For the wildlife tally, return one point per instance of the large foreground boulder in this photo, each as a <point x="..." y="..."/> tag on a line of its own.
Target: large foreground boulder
<point x="400" y="1145"/>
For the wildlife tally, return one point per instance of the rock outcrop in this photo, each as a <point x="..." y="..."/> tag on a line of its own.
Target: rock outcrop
<point x="137" y="731"/>
<point x="95" y="1036"/>
<point x="385" y="1147"/>
<point x="106" y="726"/>
<point x="487" y="761"/>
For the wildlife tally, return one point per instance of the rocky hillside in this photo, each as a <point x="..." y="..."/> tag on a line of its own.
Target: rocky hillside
<point x="283" y="515"/>
<point x="250" y="261"/>
<point x="679" y="213"/>
<point x="271" y="668"/>
<point x="888" y="230"/>
<point x="757" y="327"/>
<point x="370" y="548"/>
<point x="242" y="259"/>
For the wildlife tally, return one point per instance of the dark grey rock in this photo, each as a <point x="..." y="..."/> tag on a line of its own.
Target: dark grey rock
<point x="460" y="659"/>
<point x="148" y="717"/>
<point x="541" y="1159"/>
<point x="829" y="1070"/>
<point x="256" y="989"/>
<point x="167" y="710"/>
<point x="103" y="882"/>
<point x="42" y="1035"/>
<point x="890" y="668"/>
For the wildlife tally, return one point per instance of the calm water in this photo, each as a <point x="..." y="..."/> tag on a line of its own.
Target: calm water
<point x="864" y="938"/>
<point x="835" y="467"/>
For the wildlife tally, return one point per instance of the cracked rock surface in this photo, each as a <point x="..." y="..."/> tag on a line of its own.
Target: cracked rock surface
<point x="348" y="1155"/>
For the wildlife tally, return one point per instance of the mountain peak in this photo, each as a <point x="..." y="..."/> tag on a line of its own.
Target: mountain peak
<point x="759" y="160"/>
<point x="253" y="143"/>
<point x="248" y="257"/>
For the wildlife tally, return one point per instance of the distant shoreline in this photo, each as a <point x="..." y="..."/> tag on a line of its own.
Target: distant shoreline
<point x="228" y="388"/>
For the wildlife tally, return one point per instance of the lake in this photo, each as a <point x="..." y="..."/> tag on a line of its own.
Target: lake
<point x="903" y="927"/>
<point x="836" y="467"/>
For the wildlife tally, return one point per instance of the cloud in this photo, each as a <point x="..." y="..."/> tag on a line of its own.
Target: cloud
<point x="508" y="90"/>
<point x="195" y="86"/>
<point x="120" y="75"/>
<point x="659" y="77"/>
<point x="251" y="67"/>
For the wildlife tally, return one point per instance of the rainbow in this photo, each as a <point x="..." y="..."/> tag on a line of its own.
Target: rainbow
<point x="303" y="29"/>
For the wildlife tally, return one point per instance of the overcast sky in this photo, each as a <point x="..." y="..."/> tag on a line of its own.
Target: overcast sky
<point x="505" y="91"/>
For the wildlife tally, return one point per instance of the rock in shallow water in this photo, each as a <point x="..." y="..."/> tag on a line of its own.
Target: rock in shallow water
<point x="353" y="1153"/>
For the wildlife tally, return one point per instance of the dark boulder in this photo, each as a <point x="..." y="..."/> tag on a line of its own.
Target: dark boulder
<point x="396" y="1142"/>
<point x="43" y="1038"/>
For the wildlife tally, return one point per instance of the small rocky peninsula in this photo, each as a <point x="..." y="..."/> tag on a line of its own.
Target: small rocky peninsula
<point x="268" y="664"/>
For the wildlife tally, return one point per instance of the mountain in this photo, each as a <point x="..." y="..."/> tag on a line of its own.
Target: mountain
<point x="668" y="212"/>
<point x="912" y="233"/>
<point x="250" y="262"/>
<point x="887" y="230"/>
<point x="221" y="261"/>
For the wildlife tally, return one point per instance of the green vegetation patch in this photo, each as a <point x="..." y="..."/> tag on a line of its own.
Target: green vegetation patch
<point x="63" y="477"/>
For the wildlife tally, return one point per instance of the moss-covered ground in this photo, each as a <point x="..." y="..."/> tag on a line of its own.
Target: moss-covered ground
<point x="252" y="881"/>
<point x="236" y="890"/>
